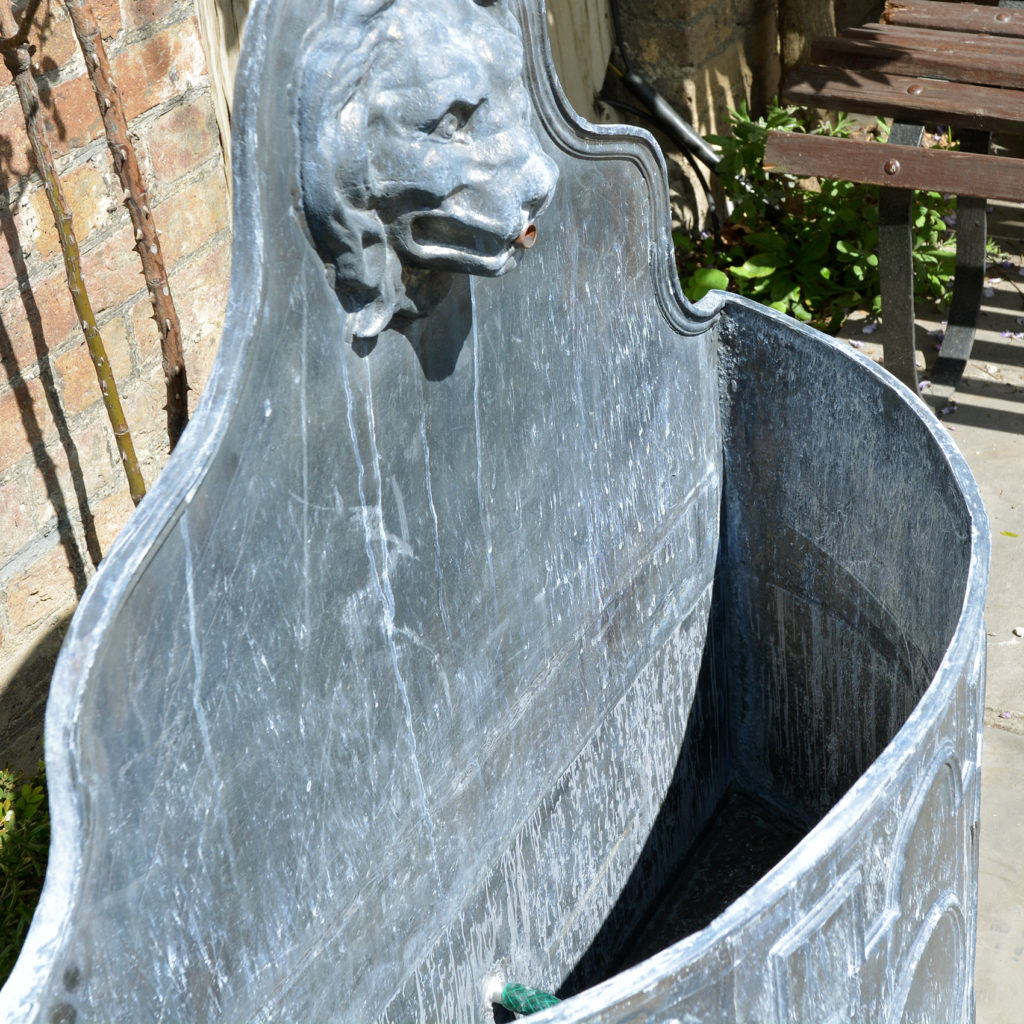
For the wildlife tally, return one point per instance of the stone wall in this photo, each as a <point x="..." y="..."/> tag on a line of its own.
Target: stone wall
<point x="704" y="56"/>
<point x="63" y="495"/>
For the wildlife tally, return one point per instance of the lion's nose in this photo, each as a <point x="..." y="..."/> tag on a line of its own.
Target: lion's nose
<point x="539" y="178"/>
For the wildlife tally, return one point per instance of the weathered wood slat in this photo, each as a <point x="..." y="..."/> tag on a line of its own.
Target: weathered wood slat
<point x="871" y="163"/>
<point x="954" y="17"/>
<point x="923" y="37"/>
<point x="911" y="99"/>
<point x="958" y="57"/>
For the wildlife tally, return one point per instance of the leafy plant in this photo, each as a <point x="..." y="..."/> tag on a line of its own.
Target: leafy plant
<point x="24" y="843"/>
<point x="807" y="248"/>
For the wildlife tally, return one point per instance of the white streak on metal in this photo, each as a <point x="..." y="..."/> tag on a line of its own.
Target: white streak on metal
<point x="435" y="526"/>
<point x="197" y="704"/>
<point x="387" y="599"/>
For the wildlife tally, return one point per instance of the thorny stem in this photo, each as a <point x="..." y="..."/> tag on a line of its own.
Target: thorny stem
<point x="147" y="240"/>
<point x="18" y="61"/>
<point x="20" y="36"/>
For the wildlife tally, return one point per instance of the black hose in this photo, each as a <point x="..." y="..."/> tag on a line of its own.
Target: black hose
<point x="671" y="122"/>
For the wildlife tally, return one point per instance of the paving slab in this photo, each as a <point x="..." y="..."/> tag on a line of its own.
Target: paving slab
<point x="999" y="974"/>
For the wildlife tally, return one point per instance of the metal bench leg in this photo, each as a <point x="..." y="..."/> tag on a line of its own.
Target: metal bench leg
<point x="896" y="267"/>
<point x="971" y="235"/>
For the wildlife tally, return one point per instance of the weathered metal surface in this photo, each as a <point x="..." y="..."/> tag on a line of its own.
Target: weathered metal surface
<point x="427" y="658"/>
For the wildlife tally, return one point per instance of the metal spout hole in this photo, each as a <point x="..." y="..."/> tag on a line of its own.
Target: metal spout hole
<point x="528" y="238"/>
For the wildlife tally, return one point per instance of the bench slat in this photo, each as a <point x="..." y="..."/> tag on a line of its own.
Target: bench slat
<point x="933" y="170"/>
<point x="922" y="38"/>
<point x="954" y="17"/>
<point x="958" y="57"/>
<point x="910" y="99"/>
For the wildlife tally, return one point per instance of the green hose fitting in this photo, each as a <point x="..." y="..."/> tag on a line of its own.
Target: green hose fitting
<point x="523" y="1000"/>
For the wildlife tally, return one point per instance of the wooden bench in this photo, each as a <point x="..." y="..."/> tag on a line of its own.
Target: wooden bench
<point x="928" y="62"/>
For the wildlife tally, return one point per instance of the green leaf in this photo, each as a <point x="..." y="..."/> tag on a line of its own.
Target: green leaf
<point x="762" y="265"/>
<point x="704" y="280"/>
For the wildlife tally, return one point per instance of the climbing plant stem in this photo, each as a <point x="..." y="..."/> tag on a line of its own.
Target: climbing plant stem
<point x="136" y="200"/>
<point x="18" y="61"/>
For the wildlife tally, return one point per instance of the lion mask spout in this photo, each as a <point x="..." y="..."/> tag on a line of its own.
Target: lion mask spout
<point x="417" y="158"/>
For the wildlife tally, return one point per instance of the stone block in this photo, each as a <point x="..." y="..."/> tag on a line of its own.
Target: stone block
<point x="80" y="388"/>
<point x="191" y="217"/>
<point x="87" y="192"/>
<point x="26" y="421"/>
<point x="180" y="139"/>
<point x="39" y="318"/>
<point x="113" y="270"/>
<point x="160" y="68"/>
<point x="42" y="592"/>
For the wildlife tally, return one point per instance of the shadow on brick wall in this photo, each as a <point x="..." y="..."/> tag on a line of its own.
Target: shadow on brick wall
<point x="23" y="702"/>
<point x="19" y="370"/>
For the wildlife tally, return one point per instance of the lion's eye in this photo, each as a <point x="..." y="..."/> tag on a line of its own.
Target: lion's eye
<point x="453" y="120"/>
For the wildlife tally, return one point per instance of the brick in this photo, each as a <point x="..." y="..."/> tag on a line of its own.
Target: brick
<point x="108" y="15"/>
<point x="110" y="516"/>
<point x="45" y="590"/>
<point x="70" y="119"/>
<point x="199" y="359"/>
<point x="16" y="153"/>
<point x="145" y="12"/>
<point x="80" y="388"/>
<point x="160" y="68"/>
<point x="53" y="37"/>
<point x="24" y="510"/>
<point x="180" y="139"/>
<point x="38" y="319"/>
<point x="73" y="114"/>
<point x="192" y="217"/>
<point x="200" y="293"/>
<point x="117" y="339"/>
<point x="90" y="201"/>
<point x="113" y="271"/>
<point x="147" y="419"/>
<point x="10" y="238"/>
<point x="147" y="340"/>
<point x="25" y="421"/>
<point x="94" y="449"/>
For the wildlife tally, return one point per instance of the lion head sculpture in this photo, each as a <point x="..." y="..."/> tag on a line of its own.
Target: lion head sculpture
<point x="417" y="158"/>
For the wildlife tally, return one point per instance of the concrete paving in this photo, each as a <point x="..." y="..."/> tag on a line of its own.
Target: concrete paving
<point x="986" y="420"/>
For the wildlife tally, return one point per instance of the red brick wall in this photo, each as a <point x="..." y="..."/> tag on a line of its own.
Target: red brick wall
<point x="63" y="496"/>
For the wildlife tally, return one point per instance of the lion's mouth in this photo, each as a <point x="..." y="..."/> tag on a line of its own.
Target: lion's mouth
<point x="480" y="246"/>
